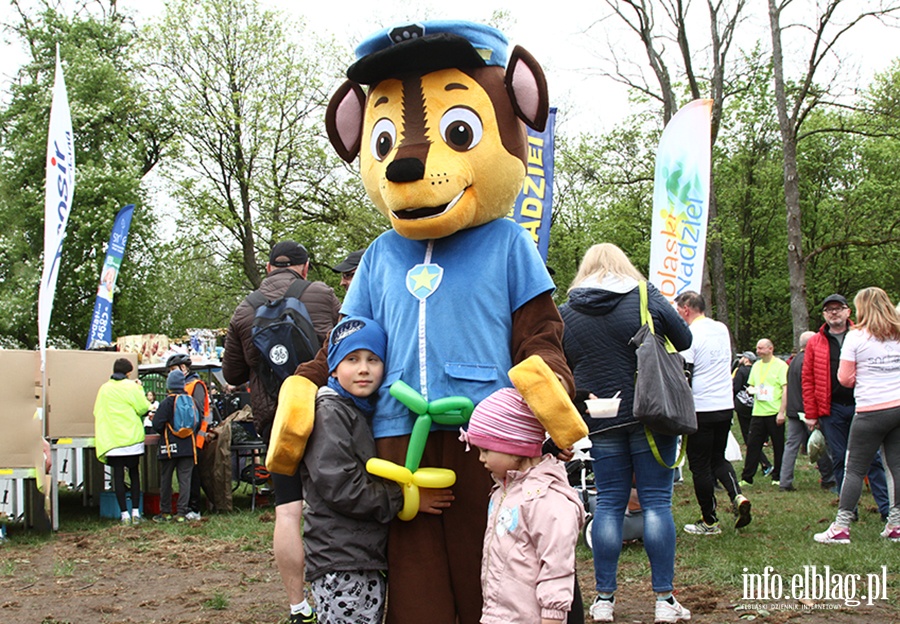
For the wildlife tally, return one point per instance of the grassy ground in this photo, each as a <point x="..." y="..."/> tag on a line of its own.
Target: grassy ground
<point x="711" y="571"/>
<point x="82" y="573"/>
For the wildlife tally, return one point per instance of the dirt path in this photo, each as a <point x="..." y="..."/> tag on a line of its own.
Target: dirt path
<point x="153" y="574"/>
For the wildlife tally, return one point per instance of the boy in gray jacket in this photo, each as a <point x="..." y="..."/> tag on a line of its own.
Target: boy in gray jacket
<point x="346" y="520"/>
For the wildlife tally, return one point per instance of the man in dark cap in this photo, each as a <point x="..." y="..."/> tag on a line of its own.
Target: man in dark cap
<point x="347" y="268"/>
<point x="288" y="263"/>
<point x="829" y="405"/>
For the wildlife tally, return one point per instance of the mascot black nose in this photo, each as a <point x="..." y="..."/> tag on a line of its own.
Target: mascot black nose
<point x="406" y="170"/>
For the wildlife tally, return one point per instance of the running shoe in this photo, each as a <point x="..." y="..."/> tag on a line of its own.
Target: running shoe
<point x="603" y="610"/>
<point x="834" y="535"/>
<point x="742" y="509"/>
<point x="701" y="528"/>
<point x="891" y="532"/>
<point x="670" y="611"/>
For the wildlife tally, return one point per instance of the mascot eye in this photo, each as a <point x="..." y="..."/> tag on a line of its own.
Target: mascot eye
<point x="384" y="135"/>
<point x="461" y="128"/>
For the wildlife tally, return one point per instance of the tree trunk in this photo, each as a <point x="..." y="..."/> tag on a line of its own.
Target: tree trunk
<point x="795" y="261"/>
<point x="719" y="297"/>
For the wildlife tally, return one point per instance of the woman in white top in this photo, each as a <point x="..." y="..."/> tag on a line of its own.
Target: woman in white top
<point x="870" y="363"/>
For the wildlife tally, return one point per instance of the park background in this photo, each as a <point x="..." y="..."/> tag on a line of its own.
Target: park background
<point x="209" y="117"/>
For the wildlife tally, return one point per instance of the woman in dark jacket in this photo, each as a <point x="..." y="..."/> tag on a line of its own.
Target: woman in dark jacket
<point x="601" y="316"/>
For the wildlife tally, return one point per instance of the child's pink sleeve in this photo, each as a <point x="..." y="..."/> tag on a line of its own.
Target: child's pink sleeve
<point x="554" y="523"/>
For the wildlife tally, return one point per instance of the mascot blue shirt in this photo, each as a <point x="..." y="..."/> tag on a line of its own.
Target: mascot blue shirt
<point x="419" y="288"/>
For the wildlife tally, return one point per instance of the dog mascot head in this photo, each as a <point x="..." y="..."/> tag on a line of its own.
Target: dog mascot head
<point x="440" y="132"/>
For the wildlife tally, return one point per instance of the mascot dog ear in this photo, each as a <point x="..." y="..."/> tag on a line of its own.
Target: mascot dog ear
<point x="527" y="88"/>
<point x="525" y="84"/>
<point x="344" y="119"/>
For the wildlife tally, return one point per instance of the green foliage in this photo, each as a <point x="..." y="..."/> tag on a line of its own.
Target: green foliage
<point x="117" y="139"/>
<point x="603" y="193"/>
<point x="253" y="165"/>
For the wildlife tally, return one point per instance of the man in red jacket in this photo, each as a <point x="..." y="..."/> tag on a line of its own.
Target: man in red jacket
<point x="829" y="405"/>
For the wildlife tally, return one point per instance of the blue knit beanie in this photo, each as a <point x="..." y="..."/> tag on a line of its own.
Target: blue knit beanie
<point x="355" y="332"/>
<point x="175" y="381"/>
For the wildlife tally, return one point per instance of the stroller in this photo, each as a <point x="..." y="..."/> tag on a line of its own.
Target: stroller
<point x="581" y="477"/>
<point x="580" y="473"/>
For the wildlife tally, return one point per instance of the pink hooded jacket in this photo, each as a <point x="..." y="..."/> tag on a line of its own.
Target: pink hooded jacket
<point x="528" y="566"/>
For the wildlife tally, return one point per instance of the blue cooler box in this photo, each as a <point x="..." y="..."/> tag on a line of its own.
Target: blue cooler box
<point x="109" y="507"/>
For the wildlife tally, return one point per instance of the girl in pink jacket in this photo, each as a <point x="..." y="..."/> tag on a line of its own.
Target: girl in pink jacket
<point x="534" y="517"/>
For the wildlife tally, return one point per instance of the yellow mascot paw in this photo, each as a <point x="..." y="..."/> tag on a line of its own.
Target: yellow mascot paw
<point x="293" y="424"/>
<point x="545" y="395"/>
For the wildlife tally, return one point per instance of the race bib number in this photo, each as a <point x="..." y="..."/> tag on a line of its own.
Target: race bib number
<point x="765" y="392"/>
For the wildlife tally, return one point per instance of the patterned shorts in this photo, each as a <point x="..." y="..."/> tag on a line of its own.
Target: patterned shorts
<point x="349" y="597"/>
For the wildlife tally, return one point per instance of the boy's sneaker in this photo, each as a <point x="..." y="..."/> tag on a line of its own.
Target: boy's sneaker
<point x="125" y="521"/>
<point x="767" y="470"/>
<point x="180" y="518"/>
<point x="161" y="517"/>
<point x="299" y="618"/>
<point x="136" y="519"/>
<point x="891" y="532"/>
<point x="603" y="610"/>
<point x="701" y="528"/>
<point x="670" y="611"/>
<point x="742" y="509"/>
<point x="834" y="535"/>
<point x="744" y="484"/>
<point x="192" y="516"/>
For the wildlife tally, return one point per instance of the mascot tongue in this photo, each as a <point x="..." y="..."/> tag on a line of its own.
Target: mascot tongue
<point x="424" y="213"/>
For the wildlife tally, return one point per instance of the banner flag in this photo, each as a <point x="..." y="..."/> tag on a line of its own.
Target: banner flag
<point x="101" y="323"/>
<point x="534" y="205"/>
<point x="60" y="187"/>
<point x="681" y="201"/>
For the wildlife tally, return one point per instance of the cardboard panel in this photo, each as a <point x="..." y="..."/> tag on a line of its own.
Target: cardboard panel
<point x="20" y="444"/>
<point x="73" y="379"/>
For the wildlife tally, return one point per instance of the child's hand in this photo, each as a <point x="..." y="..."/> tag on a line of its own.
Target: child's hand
<point x="432" y="501"/>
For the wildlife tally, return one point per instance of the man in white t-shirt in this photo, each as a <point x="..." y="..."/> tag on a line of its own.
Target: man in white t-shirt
<point x="709" y="359"/>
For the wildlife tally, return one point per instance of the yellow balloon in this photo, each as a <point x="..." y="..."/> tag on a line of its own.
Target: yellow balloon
<point x="437" y="478"/>
<point x="410" y="502"/>
<point x="389" y="470"/>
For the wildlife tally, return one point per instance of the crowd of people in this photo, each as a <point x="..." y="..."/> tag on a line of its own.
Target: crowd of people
<point x="843" y="381"/>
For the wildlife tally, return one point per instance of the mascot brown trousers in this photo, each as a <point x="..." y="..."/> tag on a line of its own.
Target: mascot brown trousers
<point x="434" y="562"/>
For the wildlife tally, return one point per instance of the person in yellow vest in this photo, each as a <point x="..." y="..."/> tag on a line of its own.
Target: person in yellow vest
<point x="119" y="434"/>
<point x="767" y="383"/>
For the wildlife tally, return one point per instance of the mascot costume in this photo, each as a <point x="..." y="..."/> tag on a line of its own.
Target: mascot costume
<point x="461" y="291"/>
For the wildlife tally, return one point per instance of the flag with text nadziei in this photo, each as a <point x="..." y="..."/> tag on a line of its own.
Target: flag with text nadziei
<point x="534" y="205"/>
<point x="681" y="201"/>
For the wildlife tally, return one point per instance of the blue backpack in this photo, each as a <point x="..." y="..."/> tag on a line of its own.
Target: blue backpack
<point x="283" y="333"/>
<point x="186" y="417"/>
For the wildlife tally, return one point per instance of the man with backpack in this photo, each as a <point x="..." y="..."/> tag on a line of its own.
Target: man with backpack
<point x="277" y="317"/>
<point x="196" y="388"/>
<point x="177" y="421"/>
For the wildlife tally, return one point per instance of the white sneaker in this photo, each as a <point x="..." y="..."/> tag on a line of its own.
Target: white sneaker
<point x="192" y="516"/>
<point x="670" y="612"/>
<point x="834" y="535"/>
<point x="603" y="610"/>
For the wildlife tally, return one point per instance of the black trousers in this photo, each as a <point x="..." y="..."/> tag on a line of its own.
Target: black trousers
<point x="744" y="422"/>
<point x="119" y="464"/>
<point x="706" y="457"/>
<point x="762" y="427"/>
